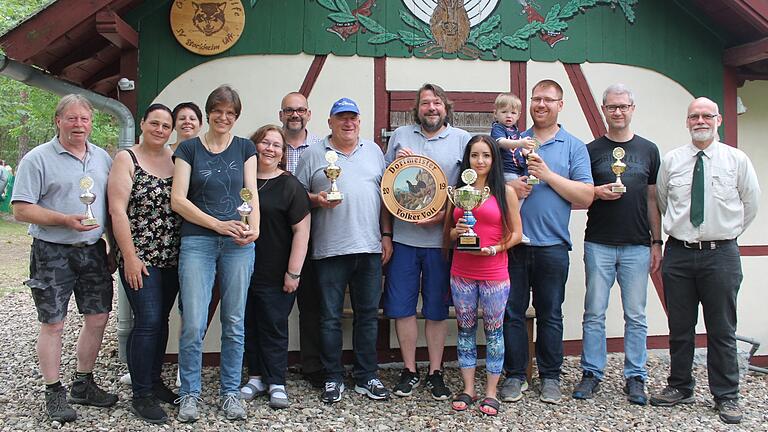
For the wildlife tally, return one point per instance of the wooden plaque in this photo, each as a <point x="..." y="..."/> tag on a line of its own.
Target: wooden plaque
<point x="207" y="27"/>
<point x="413" y="188"/>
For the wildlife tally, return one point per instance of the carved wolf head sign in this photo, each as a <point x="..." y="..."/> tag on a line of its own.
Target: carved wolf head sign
<point x="209" y="17"/>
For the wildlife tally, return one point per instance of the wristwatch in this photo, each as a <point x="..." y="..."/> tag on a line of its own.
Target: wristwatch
<point x="293" y="276"/>
<point x="657" y="242"/>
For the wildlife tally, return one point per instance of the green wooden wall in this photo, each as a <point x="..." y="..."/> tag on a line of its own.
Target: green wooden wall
<point x="665" y="35"/>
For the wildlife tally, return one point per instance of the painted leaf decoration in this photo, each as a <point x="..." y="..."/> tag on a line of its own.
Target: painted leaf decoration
<point x="411" y="39"/>
<point x="370" y="24"/>
<point x="342" y="18"/>
<point x="473" y="34"/>
<point x="487" y="42"/>
<point x="328" y="4"/>
<point x="253" y="3"/>
<point x="552" y="15"/>
<point x="343" y="6"/>
<point x="515" y="42"/>
<point x="428" y="33"/>
<point x="489" y="24"/>
<point x="410" y="20"/>
<point x="383" y="38"/>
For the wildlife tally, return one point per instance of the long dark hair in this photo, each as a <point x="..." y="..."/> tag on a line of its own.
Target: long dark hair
<point x="494" y="181"/>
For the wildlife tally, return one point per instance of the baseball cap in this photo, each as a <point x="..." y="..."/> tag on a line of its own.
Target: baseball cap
<point x="344" y="105"/>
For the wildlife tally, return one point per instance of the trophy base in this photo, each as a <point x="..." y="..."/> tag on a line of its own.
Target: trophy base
<point x="334" y="196"/>
<point x="618" y="189"/>
<point x="89" y="222"/>
<point x="533" y="181"/>
<point x="468" y="243"/>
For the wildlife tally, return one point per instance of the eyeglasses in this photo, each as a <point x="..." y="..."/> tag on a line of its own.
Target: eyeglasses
<point x="694" y="117"/>
<point x="229" y="114"/>
<point x="623" y="108"/>
<point x="289" y="111"/>
<point x="546" y="100"/>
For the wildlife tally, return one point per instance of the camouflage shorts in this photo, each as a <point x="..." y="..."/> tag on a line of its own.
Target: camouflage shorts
<point x="55" y="271"/>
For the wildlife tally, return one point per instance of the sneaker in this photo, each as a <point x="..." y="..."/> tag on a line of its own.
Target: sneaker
<point x="232" y="407"/>
<point x="670" y="396"/>
<point x="188" y="408"/>
<point x="57" y="407"/>
<point x="588" y="386"/>
<point x="164" y="394"/>
<point x="512" y="389"/>
<point x="408" y="381"/>
<point x="85" y="392"/>
<point x="332" y="392"/>
<point x="729" y="410"/>
<point x="374" y="389"/>
<point x="635" y="390"/>
<point x="550" y="391"/>
<point x="148" y="409"/>
<point x="437" y="386"/>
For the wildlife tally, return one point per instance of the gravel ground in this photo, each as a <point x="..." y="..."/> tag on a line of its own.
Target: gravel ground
<point x="21" y="397"/>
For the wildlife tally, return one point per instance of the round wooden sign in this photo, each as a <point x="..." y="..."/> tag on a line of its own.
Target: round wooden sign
<point x="207" y="28"/>
<point x="413" y="188"/>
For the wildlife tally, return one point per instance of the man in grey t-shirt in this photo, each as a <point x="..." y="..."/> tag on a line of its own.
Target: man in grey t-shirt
<point x="68" y="253"/>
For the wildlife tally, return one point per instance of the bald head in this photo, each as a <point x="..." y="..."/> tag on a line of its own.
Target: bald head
<point x="703" y="120"/>
<point x="294" y="113"/>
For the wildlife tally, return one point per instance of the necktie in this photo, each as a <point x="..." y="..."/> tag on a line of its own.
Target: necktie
<point x="697" y="191"/>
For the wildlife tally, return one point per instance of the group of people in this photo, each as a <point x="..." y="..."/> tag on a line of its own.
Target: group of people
<point x="254" y="217"/>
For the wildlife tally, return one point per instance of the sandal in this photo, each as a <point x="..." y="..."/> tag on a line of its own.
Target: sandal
<point x="249" y="391"/>
<point x="462" y="398"/>
<point x="488" y="404"/>
<point x="278" y="398"/>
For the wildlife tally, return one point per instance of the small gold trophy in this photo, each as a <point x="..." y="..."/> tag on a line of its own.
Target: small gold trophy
<point x="532" y="179"/>
<point x="618" y="168"/>
<point x="468" y="198"/>
<point x="87" y="198"/>
<point x="333" y="171"/>
<point x="245" y="208"/>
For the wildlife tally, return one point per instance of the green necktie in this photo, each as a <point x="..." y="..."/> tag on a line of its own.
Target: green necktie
<point x="697" y="191"/>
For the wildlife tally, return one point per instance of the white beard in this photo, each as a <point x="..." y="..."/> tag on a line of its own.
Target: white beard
<point x="703" y="135"/>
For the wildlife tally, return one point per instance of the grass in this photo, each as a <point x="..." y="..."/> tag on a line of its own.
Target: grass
<point x="14" y="255"/>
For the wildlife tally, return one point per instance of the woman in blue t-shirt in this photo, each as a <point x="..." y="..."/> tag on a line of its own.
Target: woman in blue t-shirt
<point x="209" y="174"/>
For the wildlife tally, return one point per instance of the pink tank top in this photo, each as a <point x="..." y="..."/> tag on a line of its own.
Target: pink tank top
<point x="490" y="229"/>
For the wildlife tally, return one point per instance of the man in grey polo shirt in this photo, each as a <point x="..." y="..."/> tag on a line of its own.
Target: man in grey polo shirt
<point x="68" y="253"/>
<point x="418" y="263"/>
<point x="347" y="247"/>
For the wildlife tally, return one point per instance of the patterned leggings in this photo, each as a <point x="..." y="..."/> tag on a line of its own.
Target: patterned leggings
<point x="492" y="297"/>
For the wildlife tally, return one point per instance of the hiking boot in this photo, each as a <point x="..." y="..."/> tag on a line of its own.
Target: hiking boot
<point x="148" y="409"/>
<point x="408" y="381"/>
<point x="588" y="386"/>
<point x="512" y="389"/>
<point x="56" y="405"/>
<point x="670" y="397"/>
<point x="635" y="390"/>
<point x="437" y="386"/>
<point x="550" y="391"/>
<point x="332" y="392"/>
<point x="188" y="408"/>
<point x="729" y="410"/>
<point x="85" y="392"/>
<point x="374" y="389"/>
<point x="164" y="394"/>
<point x="232" y="407"/>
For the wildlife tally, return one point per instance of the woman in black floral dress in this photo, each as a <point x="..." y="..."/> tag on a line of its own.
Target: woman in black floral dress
<point x="147" y="235"/>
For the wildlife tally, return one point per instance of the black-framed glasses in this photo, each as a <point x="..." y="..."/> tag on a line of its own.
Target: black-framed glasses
<point x="623" y="108"/>
<point x="705" y="116"/>
<point x="289" y="111"/>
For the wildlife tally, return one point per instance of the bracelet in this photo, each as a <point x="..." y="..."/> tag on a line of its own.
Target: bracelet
<point x="657" y="242"/>
<point x="293" y="276"/>
<point x="493" y="250"/>
<point x="386" y="234"/>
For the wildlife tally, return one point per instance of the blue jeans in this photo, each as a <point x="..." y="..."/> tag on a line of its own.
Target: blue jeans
<point x="603" y="265"/>
<point x="543" y="271"/>
<point x="201" y="259"/>
<point x="151" y="306"/>
<point x="362" y="272"/>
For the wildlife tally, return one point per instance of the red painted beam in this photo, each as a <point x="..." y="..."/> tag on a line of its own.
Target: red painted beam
<point x="746" y="54"/>
<point x="518" y="82"/>
<point x="117" y="31"/>
<point x="311" y="78"/>
<point x="380" y="100"/>
<point x="129" y="68"/>
<point x="462" y="101"/>
<point x="754" y="250"/>
<point x="730" y="118"/>
<point x="587" y="102"/>
<point x="753" y="11"/>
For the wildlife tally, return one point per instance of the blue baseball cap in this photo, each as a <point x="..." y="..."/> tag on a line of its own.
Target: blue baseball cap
<point x="344" y="105"/>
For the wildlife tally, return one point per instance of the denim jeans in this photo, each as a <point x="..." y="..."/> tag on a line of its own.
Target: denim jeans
<point x="201" y="259"/>
<point x="604" y="264"/>
<point x="151" y="306"/>
<point x="543" y="271"/>
<point x="266" y="331"/>
<point x="362" y="272"/>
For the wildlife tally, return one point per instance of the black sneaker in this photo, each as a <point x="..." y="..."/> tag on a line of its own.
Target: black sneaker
<point x="56" y="405"/>
<point x="408" y="381"/>
<point x="729" y="410"/>
<point x="148" y="409"/>
<point x="332" y="392"/>
<point x="164" y="394"/>
<point x="671" y="396"/>
<point x="86" y="392"/>
<point x="635" y="390"/>
<point x="588" y="386"/>
<point x="374" y="389"/>
<point x="437" y="386"/>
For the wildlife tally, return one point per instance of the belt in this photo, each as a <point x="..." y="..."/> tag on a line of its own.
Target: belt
<point x="701" y="245"/>
<point x="75" y="245"/>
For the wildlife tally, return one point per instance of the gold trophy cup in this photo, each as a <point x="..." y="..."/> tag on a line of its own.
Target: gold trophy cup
<point x="532" y="179"/>
<point x="618" y="168"/>
<point x="333" y="171"/>
<point x="245" y="208"/>
<point x="468" y="198"/>
<point x="87" y="198"/>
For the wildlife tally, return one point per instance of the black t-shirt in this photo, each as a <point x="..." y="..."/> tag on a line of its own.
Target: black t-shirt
<point x="283" y="202"/>
<point x="623" y="221"/>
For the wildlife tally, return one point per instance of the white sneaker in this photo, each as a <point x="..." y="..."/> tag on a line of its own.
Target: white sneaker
<point x="188" y="408"/>
<point x="232" y="407"/>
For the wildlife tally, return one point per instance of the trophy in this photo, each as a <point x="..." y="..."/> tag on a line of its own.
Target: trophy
<point x="618" y="168"/>
<point x="87" y="198"/>
<point x="245" y="208"/>
<point x="468" y="198"/>
<point x="332" y="171"/>
<point x="532" y="179"/>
